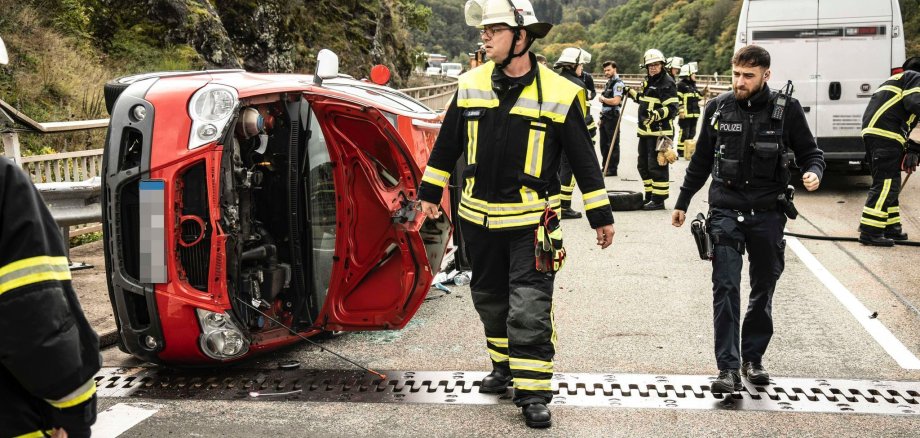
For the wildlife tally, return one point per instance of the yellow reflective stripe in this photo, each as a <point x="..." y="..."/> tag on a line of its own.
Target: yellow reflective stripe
<point x="33" y="270"/>
<point x="533" y="384"/>
<point x="651" y="100"/>
<point x="36" y="434"/>
<point x="885" y="133"/>
<point x="472" y="146"/>
<point x="660" y="192"/>
<point x="80" y="395"/>
<point x="878" y="113"/>
<point x="669" y="101"/>
<point x="894" y="209"/>
<point x="531" y="108"/>
<point x="878" y="213"/>
<point x="496" y="356"/>
<point x="507" y="209"/>
<point x="881" y="199"/>
<point x="893" y="220"/>
<point x="532" y="364"/>
<point x="891" y="88"/>
<point x="595" y="199"/>
<point x="660" y="184"/>
<point x="533" y="165"/>
<point x="873" y="223"/>
<point x="498" y="342"/>
<point x="436" y="177"/>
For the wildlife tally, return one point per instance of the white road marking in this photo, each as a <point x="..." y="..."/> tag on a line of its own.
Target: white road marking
<point x="882" y="335"/>
<point x="631" y="118"/>
<point x="118" y="419"/>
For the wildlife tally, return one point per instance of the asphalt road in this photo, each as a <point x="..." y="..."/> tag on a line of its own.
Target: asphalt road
<point x="641" y="306"/>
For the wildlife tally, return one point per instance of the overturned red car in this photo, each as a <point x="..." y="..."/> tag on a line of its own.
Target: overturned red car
<point x="242" y="208"/>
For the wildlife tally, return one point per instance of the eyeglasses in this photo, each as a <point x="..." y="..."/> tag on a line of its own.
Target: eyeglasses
<point x="490" y="32"/>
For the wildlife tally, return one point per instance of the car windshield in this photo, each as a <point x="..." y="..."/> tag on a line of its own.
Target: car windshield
<point x="383" y="96"/>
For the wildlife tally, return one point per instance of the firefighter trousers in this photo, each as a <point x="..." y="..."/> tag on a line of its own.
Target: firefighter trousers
<point x="882" y="209"/>
<point x="654" y="176"/>
<point x="21" y="413"/>
<point x="761" y="234"/>
<point x="608" y="125"/>
<point x="515" y="304"/>
<point x="687" y="132"/>
<point x="567" y="179"/>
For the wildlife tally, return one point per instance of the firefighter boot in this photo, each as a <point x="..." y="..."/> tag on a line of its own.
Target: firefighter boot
<point x="653" y="205"/>
<point x="568" y="213"/>
<point x="872" y="239"/>
<point x="755" y="373"/>
<point x="497" y="381"/>
<point x="537" y="415"/>
<point x="895" y="232"/>
<point x="729" y="381"/>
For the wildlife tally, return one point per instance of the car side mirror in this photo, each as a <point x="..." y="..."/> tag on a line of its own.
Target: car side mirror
<point x="3" y="57"/>
<point x="327" y="66"/>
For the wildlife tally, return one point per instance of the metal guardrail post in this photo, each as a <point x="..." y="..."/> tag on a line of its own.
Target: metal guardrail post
<point x="11" y="147"/>
<point x="72" y="204"/>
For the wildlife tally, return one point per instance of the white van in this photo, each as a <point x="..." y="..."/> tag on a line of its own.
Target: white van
<point x="452" y="69"/>
<point x="835" y="52"/>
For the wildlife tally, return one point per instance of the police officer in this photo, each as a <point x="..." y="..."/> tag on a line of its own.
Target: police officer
<point x="513" y="118"/>
<point x="743" y="147"/>
<point x="890" y="116"/>
<point x="689" y="97"/>
<point x="571" y="64"/>
<point x="657" y="109"/>
<point x="611" y="100"/>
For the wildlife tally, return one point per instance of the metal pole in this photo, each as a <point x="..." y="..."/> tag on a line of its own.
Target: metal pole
<point x="11" y="147"/>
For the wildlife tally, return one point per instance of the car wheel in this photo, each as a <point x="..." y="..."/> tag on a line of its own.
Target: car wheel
<point x="625" y="200"/>
<point x="111" y="90"/>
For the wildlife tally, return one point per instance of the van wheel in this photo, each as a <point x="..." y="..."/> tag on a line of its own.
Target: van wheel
<point x="111" y="90"/>
<point x="625" y="200"/>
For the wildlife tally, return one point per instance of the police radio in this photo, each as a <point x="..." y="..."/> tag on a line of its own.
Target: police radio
<point x="779" y="105"/>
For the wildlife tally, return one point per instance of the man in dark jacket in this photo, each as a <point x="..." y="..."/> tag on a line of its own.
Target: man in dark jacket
<point x="571" y="64"/>
<point x="689" y="113"/>
<point x="742" y="145"/>
<point x="657" y="110"/>
<point x="49" y="351"/>
<point x="890" y="115"/>
<point x="513" y="118"/>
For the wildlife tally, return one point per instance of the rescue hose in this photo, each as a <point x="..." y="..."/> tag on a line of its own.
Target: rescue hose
<point x="843" y="239"/>
<point x="381" y="375"/>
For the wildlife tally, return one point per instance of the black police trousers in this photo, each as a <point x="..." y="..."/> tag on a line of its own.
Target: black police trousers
<point x="882" y="209"/>
<point x="654" y="177"/>
<point x="515" y="304"/>
<point x="608" y="125"/>
<point x="687" y="132"/>
<point x="761" y="233"/>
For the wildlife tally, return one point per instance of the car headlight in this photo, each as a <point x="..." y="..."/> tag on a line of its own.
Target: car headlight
<point x="211" y="109"/>
<point x="220" y="338"/>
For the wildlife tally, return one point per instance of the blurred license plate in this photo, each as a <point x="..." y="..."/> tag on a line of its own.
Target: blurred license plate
<point x="152" y="232"/>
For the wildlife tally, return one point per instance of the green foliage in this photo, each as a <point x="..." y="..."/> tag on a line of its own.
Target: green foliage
<point x="910" y="13"/>
<point x="85" y="238"/>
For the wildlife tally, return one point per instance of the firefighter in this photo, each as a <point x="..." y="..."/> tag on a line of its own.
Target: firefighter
<point x="689" y="113"/>
<point x="571" y="66"/>
<point x="50" y="352"/>
<point x="673" y="66"/>
<point x="890" y="116"/>
<point x="611" y="102"/>
<point x="742" y="145"/>
<point x="657" y="109"/>
<point x="513" y="118"/>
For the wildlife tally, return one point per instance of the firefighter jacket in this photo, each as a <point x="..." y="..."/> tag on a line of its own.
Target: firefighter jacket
<point x="513" y="132"/>
<point x="588" y="80"/>
<point x="657" y="106"/>
<point x="689" y="97"/>
<point x="589" y="119"/>
<point x="894" y="107"/>
<point x="744" y="151"/>
<point x="48" y="351"/>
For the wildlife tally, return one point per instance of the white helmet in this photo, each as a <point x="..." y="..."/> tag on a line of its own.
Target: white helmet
<point x="515" y="13"/>
<point x="674" y="62"/>
<point x="573" y="56"/>
<point x="689" y="69"/>
<point x="652" y="56"/>
<point x="3" y="58"/>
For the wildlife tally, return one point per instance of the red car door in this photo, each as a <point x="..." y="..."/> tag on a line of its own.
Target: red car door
<point x="378" y="271"/>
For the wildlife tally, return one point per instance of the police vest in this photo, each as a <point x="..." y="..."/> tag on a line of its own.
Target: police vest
<point x="749" y="147"/>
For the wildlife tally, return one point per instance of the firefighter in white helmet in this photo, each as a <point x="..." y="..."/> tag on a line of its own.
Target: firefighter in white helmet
<point x="673" y="65"/>
<point x="513" y="118"/>
<point x="571" y="64"/>
<point x="657" y="108"/>
<point x="689" y="113"/>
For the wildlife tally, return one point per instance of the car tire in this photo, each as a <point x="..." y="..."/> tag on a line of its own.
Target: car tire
<point x="625" y="200"/>
<point x="111" y="90"/>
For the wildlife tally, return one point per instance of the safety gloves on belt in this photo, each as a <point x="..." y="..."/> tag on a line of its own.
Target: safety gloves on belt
<point x="911" y="157"/>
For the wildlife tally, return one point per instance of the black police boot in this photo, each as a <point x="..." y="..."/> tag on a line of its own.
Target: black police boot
<point x="497" y="381"/>
<point x="611" y="172"/>
<point x="568" y="213"/>
<point x="874" y="239"/>
<point x="755" y="373"/>
<point x="653" y="205"/>
<point x="895" y="232"/>
<point x="537" y="415"/>
<point x="729" y="381"/>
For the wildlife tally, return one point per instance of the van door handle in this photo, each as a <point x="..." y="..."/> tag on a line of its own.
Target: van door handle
<point x="834" y="90"/>
<point x="807" y="109"/>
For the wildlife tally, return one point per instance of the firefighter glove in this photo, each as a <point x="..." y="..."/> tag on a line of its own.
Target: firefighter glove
<point x="76" y="420"/>
<point x="910" y="161"/>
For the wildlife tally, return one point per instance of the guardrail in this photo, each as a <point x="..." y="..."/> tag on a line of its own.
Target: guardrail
<point x="436" y="97"/>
